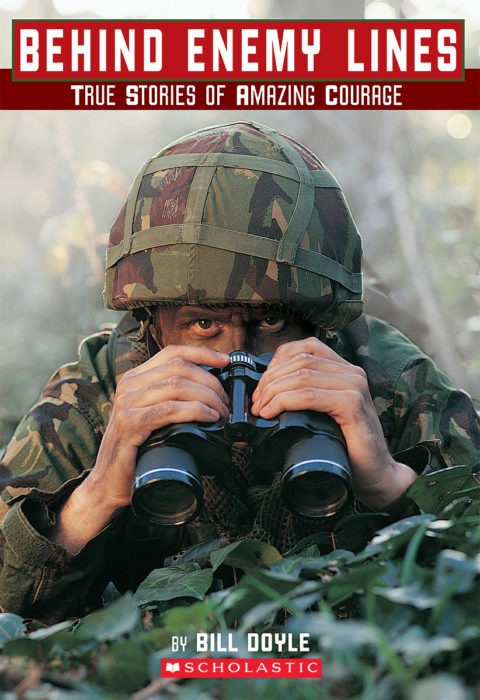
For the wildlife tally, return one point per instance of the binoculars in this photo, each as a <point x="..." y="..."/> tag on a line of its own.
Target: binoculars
<point x="308" y="447"/>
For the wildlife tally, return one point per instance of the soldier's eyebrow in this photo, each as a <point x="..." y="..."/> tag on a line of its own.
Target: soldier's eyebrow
<point x="198" y="312"/>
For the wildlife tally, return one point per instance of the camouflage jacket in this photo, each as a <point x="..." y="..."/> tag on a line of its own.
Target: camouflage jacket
<point x="58" y="440"/>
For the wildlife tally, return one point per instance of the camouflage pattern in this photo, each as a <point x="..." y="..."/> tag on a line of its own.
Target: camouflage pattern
<point x="256" y="218"/>
<point x="59" y="438"/>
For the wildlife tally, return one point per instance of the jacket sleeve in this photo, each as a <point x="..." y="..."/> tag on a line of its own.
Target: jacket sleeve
<point x="416" y="402"/>
<point x="53" y="446"/>
<point x="428" y="407"/>
<point x="38" y="578"/>
<point x="429" y="424"/>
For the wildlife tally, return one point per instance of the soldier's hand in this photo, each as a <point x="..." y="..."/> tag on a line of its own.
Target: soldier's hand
<point x="168" y="388"/>
<point x="308" y="375"/>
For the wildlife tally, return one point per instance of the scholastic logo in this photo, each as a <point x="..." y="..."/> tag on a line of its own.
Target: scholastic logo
<point x="237" y="50"/>
<point x="241" y="668"/>
<point x="172" y="667"/>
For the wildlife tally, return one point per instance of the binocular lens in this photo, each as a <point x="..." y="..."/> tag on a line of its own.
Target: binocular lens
<point x="167" y="488"/>
<point x="316" y="494"/>
<point x="313" y="486"/>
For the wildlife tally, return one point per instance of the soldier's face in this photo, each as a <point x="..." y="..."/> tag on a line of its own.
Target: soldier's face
<point x="227" y="328"/>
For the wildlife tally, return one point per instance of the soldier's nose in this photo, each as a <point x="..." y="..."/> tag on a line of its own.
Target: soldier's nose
<point x="234" y="338"/>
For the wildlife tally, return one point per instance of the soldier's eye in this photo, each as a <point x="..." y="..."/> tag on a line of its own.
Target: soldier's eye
<point x="205" y="323"/>
<point x="205" y="327"/>
<point x="271" y="324"/>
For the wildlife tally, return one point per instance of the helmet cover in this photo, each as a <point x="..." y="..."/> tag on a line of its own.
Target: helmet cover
<point x="237" y="214"/>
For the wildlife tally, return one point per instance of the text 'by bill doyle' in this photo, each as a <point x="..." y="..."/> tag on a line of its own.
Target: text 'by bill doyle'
<point x="265" y="641"/>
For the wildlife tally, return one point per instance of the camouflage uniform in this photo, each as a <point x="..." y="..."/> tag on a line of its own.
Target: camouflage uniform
<point x="195" y="224"/>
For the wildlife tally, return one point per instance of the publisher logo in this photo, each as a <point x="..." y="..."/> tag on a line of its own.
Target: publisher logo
<point x="241" y="668"/>
<point x="172" y="668"/>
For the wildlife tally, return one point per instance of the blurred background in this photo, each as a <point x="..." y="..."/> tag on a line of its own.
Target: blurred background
<point x="411" y="178"/>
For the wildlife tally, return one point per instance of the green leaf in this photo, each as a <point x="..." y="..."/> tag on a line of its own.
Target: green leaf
<point x="198" y="616"/>
<point x="414" y="645"/>
<point x="246" y="554"/>
<point x="110" y="594"/>
<point x="259" y="614"/>
<point x="11" y="627"/>
<point x="455" y="568"/>
<point x="121" y="617"/>
<point x="318" y="538"/>
<point x="260" y="585"/>
<point x="430" y="491"/>
<point x="155" y="638"/>
<point x="462" y="534"/>
<point x="199" y="553"/>
<point x="413" y="594"/>
<point x="184" y="580"/>
<point x="300" y="564"/>
<point x="471" y="632"/>
<point x="342" y="635"/>
<point x="300" y="598"/>
<point x="41" y="644"/>
<point x="124" y="667"/>
<point x="52" y="631"/>
<point x="438" y="687"/>
<point x="356" y="579"/>
<point x="310" y="551"/>
<point x="465" y="502"/>
<point x="353" y="532"/>
<point x="396" y="536"/>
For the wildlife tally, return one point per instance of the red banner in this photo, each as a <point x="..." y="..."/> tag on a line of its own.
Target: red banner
<point x="241" y="668"/>
<point x="240" y="95"/>
<point x="191" y="50"/>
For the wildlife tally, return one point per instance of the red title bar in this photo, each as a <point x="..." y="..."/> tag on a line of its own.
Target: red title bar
<point x="185" y="95"/>
<point x="238" y="50"/>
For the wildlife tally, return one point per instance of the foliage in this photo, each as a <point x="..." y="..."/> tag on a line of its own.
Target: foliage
<point x="395" y="616"/>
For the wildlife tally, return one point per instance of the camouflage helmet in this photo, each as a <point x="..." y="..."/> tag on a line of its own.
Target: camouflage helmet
<point x="236" y="214"/>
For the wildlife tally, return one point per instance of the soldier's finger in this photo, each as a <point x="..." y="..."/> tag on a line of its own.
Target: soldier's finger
<point x="173" y="388"/>
<point x="143" y="421"/>
<point x="310" y="346"/>
<point x="195" y="354"/>
<point x="304" y="363"/>
<point x="309" y="382"/>
<point x="198" y="354"/>
<point x="343" y="406"/>
<point x="177" y="367"/>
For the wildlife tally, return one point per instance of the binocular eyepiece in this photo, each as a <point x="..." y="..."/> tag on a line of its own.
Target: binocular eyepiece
<point x="306" y="446"/>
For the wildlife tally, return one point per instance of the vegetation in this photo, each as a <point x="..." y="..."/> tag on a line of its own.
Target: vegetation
<point x="395" y="617"/>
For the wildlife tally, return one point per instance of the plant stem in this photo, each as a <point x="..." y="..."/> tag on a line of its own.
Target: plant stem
<point x="408" y="564"/>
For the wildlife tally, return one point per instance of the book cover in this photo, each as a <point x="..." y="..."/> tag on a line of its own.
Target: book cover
<point x="387" y="95"/>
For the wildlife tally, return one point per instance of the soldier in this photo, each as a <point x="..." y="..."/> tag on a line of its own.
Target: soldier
<point x="231" y="238"/>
